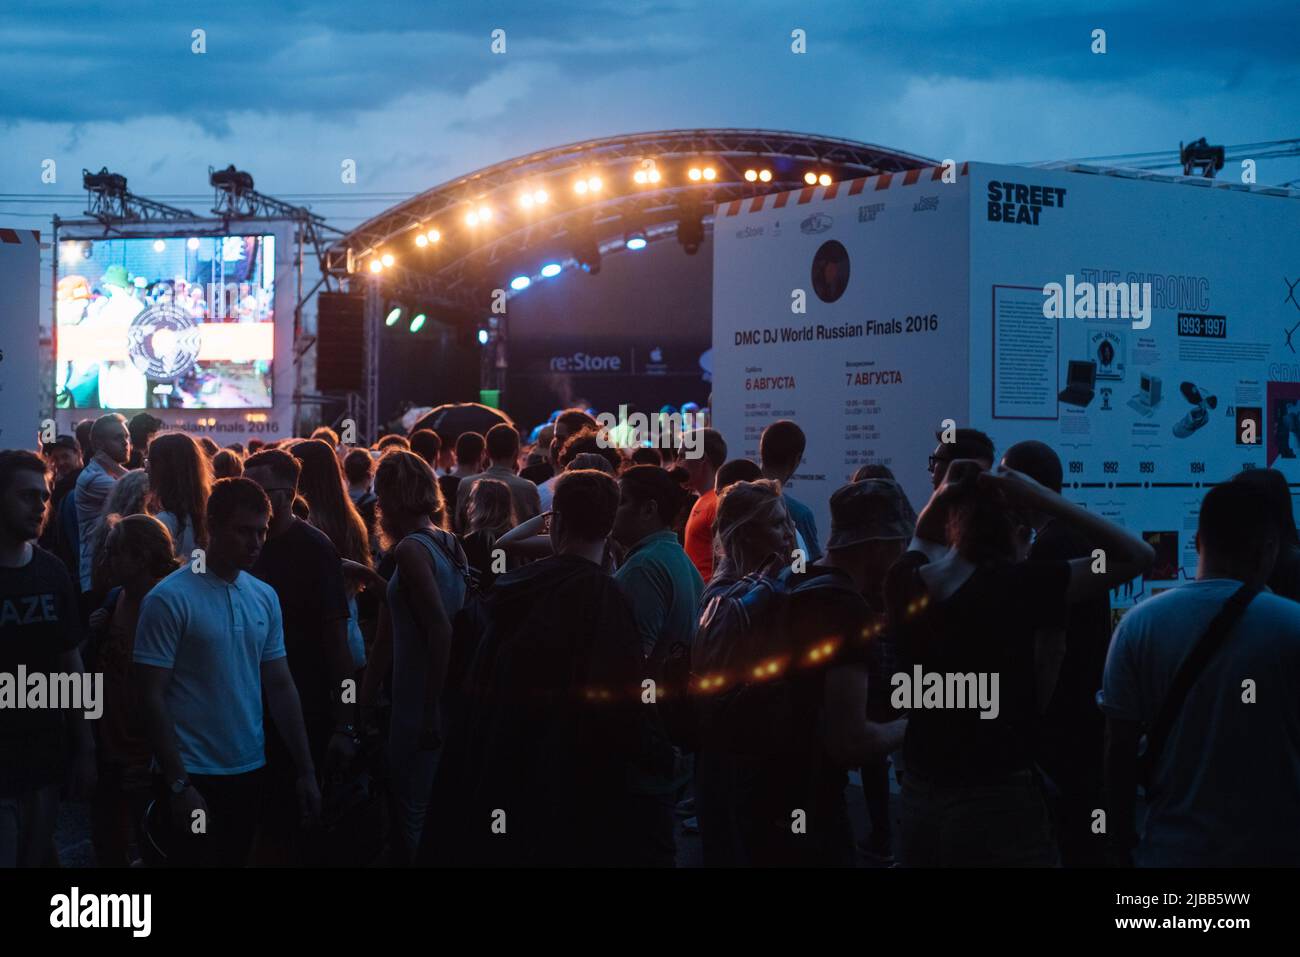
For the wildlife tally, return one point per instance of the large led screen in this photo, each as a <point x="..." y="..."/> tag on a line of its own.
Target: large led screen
<point x="169" y="322"/>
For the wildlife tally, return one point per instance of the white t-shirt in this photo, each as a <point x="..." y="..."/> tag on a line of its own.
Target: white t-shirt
<point x="214" y="636"/>
<point x="1226" y="786"/>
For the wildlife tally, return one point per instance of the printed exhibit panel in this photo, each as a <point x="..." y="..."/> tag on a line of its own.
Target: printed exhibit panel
<point x="1144" y="328"/>
<point x="190" y="322"/>
<point x="845" y="309"/>
<point x="20" y="278"/>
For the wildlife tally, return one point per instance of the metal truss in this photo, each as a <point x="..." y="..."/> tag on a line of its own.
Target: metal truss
<point x="458" y="273"/>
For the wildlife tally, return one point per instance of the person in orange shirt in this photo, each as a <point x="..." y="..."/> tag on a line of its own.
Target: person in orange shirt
<point x="702" y="470"/>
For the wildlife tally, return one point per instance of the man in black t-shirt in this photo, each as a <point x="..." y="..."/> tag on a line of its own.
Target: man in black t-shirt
<point x="39" y="633"/>
<point x="302" y="565"/>
<point x="544" y="770"/>
<point x="1071" y="735"/>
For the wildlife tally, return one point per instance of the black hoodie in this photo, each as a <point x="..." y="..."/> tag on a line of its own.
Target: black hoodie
<point x="556" y="729"/>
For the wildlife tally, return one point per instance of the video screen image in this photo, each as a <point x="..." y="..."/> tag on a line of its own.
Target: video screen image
<point x="169" y="322"/>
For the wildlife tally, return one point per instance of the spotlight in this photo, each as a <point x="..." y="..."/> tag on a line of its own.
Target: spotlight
<point x="484" y="214"/>
<point x="710" y="173"/>
<point x="765" y="175"/>
<point x="192" y="243"/>
<point x="551" y="270"/>
<point x="520" y="283"/>
<point x="824" y="179"/>
<point x="635" y="240"/>
<point x="695" y="174"/>
<point x="159" y="245"/>
<point x="417" y="323"/>
<point x="593" y="184"/>
<point x="526" y="200"/>
<point x="810" y="178"/>
<point x="646" y="173"/>
<point x="588" y="257"/>
<point x="540" y="196"/>
<point x="387" y="259"/>
<point x="482" y="337"/>
<point x="376" y="266"/>
<point x="394" y="314"/>
<point x="751" y="175"/>
<point x="641" y="177"/>
<point x="433" y="235"/>
<point x="471" y="219"/>
<point x="421" y="240"/>
<point x="690" y="230"/>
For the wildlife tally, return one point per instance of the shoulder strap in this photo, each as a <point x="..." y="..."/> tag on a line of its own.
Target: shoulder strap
<point x="1193" y="665"/>
<point x="456" y="558"/>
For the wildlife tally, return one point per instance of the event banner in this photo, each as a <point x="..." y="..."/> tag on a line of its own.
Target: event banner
<point x="1145" y="328"/>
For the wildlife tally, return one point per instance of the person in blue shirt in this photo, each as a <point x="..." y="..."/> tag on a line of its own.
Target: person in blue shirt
<point x="780" y="451"/>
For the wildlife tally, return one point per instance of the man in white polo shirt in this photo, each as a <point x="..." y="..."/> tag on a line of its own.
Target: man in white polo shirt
<point x="209" y="641"/>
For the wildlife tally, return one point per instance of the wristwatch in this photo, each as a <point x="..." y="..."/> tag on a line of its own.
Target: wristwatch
<point x="179" y="786"/>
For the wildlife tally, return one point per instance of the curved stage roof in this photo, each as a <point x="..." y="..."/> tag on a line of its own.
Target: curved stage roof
<point x="536" y="213"/>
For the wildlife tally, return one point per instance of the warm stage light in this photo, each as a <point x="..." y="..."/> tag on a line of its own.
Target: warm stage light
<point x="417" y="323"/>
<point x="710" y="173"/>
<point x="471" y="219"/>
<point x="484" y="214"/>
<point x="520" y="283"/>
<point x="421" y="240"/>
<point x="376" y="265"/>
<point x="654" y="176"/>
<point x="695" y="174"/>
<point x="526" y="200"/>
<point x="550" y="270"/>
<point x="765" y="175"/>
<point x="433" y="235"/>
<point x="824" y="179"/>
<point x="387" y="259"/>
<point x="393" y="316"/>
<point x="540" y="196"/>
<point x="751" y="175"/>
<point x="640" y="176"/>
<point x="810" y="179"/>
<point x="580" y="187"/>
<point x="593" y="184"/>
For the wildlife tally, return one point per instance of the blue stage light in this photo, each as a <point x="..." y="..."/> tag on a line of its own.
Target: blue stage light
<point x="550" y="270"/>
<point x="520" y="282"/>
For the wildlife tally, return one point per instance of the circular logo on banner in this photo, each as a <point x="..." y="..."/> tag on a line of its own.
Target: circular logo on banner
<point x="163" y="342"/>
<point x="830" y="270"/>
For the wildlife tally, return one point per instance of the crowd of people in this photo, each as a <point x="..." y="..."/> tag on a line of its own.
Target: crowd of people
<point x="470" y="651"/>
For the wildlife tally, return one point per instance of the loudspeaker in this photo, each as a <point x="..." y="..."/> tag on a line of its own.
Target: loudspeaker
<point x="340" y="342"/>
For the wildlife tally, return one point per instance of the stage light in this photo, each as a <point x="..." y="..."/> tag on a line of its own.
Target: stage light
<point x="635" y="240"/>
<point x="694" y="173"/>
<point x="471" y="219"/>
<point x="387" y="259"/>
<point x="640" y="176"/>
<point x="551" y="270"/>
<point x="594" y="184"/>
<point x="588" y="257"/>
<point x="646" y="173"/>
<point x="417" y="323"/>
<point x="192" y="243"/>
<point x="421" y="240"/>
<point x="540" y="196"/>
<point x="484" y="214"/>
<point x="765" y="175"/>
<point x="159" y="245"/>
<point x="751" y="175"/>
<point x="810" y="178"/>
<point x="393" y="316"/>
<point x="520" y="282"/>
<point x="710" y="173"/>
<point x="526" y="200"/>
<point x="376" y="266"/>
<point x="690" y="230"/>
<point x="433" y="235"/>
<point x="824" y="179"/>
<point x="580" y="187"/>
<point x="482" y="337"/>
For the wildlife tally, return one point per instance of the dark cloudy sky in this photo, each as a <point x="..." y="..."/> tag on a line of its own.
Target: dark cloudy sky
<point x="412" y="92"/>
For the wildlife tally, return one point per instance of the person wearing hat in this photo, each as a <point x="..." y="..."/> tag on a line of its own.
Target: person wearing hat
<point x="832" y="611"/>
<point x="121" y="384"/>
<point x="871" y="524"/>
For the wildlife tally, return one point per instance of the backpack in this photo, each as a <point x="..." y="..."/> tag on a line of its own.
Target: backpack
<point x="740" y="664"/>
